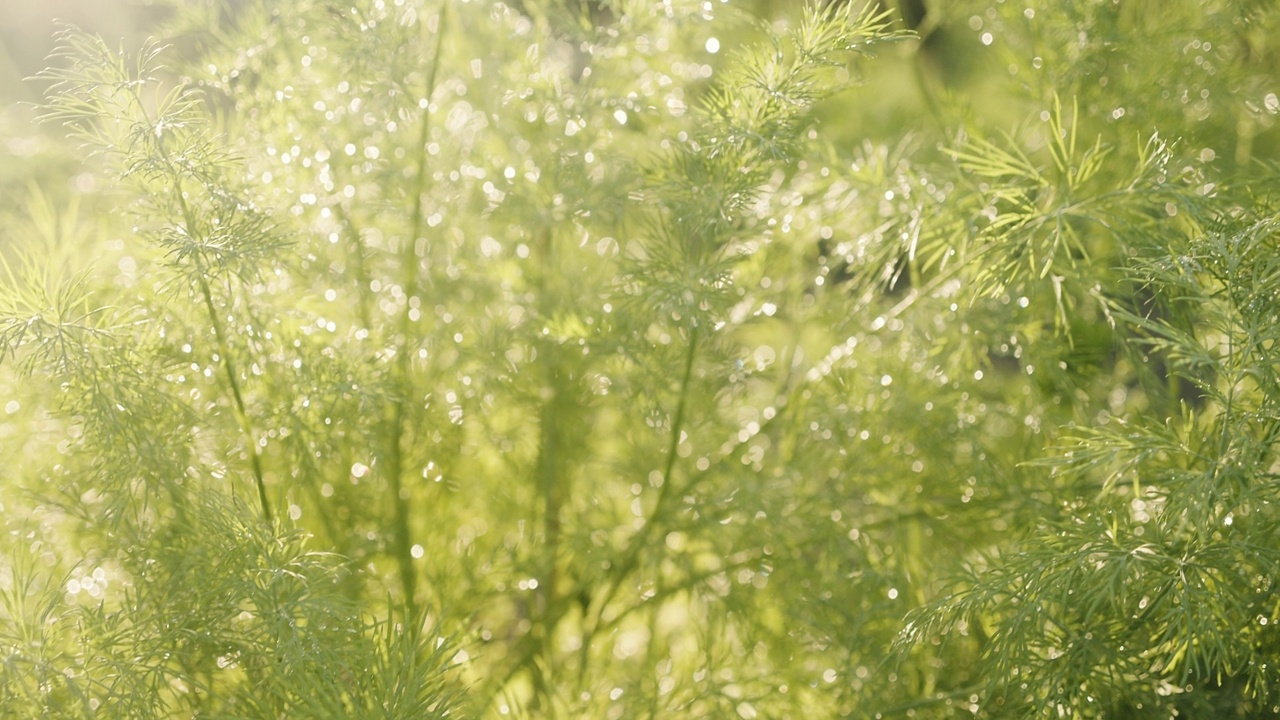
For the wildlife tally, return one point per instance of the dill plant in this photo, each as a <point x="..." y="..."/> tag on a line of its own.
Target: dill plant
<point x="553" y="359"/>
<point x="219" y="608"/>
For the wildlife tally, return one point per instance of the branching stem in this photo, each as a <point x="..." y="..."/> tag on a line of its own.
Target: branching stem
<point x="638" y="542"/>
<point x="224" y="347"/>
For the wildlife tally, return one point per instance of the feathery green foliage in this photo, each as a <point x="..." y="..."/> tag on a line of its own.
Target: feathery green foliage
<point x="597" y="358"/>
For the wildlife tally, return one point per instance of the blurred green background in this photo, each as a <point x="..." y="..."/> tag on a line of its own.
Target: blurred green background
<point x="27" y="28"/>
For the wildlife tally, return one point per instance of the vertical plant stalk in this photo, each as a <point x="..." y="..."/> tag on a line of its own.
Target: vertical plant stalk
<point x="556" y="605"/>
<point x="242" y="414"/>
<point x="546" y="611"/>
<point x="639" y="541"/>
<point x="548" y="473"/>
<point x="677" y="427"/>
<point x="551" y="478"/>
<point x="224" y="347"/>
<point x="402" y="547"/>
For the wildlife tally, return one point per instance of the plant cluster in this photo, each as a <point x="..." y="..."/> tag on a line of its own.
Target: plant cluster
<point x="625" y="358"/>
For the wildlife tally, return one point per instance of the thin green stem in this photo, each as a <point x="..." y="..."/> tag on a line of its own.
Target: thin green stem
<point x="558" y="605"/>
<point x="555" y="415"/>
<point x="638" y="542"/>
<point x="224" y="347"/>
<point x="398" y="431"/>
<point x="632" y="557"/>
<point x="677" y="424"/>
<point x="242" y="414"/>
